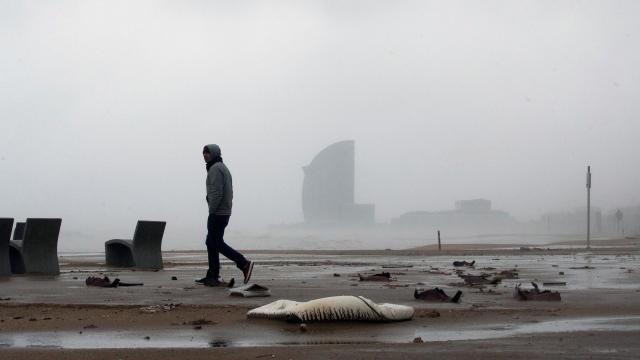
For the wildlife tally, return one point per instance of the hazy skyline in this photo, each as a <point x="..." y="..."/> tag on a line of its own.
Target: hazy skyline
<point x="105" y="107"/>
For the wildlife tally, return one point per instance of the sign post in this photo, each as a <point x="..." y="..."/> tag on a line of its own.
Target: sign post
<point x="588" y="207"/>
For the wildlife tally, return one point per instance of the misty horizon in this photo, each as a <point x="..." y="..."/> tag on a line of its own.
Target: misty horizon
<point x="106" y="106"/>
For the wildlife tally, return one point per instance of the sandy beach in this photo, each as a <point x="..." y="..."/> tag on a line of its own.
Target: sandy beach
<point x="598" y="316"/>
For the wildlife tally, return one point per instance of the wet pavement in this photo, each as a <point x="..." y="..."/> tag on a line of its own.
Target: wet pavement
<point x="254" y="334"/>
<point x="304" y="277"/>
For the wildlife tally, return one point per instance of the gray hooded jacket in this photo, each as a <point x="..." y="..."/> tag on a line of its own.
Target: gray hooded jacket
<point x="219" y="185"/>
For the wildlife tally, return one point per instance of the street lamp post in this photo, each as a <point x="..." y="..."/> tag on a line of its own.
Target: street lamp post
<point x="588" y="207"/>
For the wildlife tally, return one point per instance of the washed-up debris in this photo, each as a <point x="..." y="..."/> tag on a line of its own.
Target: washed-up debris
<point x="383" y="276"/>
<point x="250" y="290"/>
<point x="535" y="294"/>
<point x="554" y="283"/>
<point x="201" y="322"/>
<point x="152" y="309"/>
<point x="335" y="308"/>
<point x="396" y="266"/>
<point x="418" y="340"/>
<point x="5" y="299"/>
<point x="174" y="278"/>
<point x="436" y="295"/>
<point x="587" y="267"/>
<point x="106" y="282"/>
<point x="508" y="274"/>
<point x="336" y="275"/>
<point x="464" y="263"/>
<point x="480" y="279"/>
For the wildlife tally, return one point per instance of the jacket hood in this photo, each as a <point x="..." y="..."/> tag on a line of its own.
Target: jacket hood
<point x="214" y="150"/>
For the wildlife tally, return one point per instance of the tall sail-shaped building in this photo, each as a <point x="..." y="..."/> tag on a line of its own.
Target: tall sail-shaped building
<point x="328" y="188"/>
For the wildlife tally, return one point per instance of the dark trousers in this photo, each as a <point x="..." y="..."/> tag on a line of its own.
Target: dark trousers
<point x="216" y="245"/>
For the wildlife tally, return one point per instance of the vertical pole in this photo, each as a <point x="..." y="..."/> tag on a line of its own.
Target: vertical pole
<point x="439" y="245"/>
<point x="588" y="207"/>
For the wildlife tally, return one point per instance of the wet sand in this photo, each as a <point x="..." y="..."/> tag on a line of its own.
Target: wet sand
<point x="598" y="317"/>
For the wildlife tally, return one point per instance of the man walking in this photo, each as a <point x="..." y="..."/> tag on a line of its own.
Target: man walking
<point x="219" y="198"/>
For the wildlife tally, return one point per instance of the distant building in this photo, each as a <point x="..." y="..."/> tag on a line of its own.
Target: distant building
<point x="476" y="205"/>
<point x="469" y="216"/>
<point x="329" y="186"/>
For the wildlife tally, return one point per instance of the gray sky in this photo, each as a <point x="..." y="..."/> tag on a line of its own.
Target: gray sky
<point x="105" y="107"/>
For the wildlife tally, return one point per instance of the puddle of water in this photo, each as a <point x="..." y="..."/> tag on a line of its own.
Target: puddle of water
<point x="556" y="326"/>
<point x="261" y="336"/>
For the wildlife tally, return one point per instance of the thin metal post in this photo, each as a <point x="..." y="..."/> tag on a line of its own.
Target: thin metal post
<point x="588" y="207"/>
<point x="439" y="245"/>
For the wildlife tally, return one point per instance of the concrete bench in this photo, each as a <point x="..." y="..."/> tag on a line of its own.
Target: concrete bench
<point x="18" y="232"/>
<point x="6" y="224"/>
<point x="144" y="251"/>
<point x="37" y="253"/>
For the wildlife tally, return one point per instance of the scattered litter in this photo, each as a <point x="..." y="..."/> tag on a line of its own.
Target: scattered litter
<point x="561" y="273"/>
<point x="174" y="278"/>
<point x="582" y="267"/>
<point x="396" y="266"/>
<point x="336" y="275"/>
<point x="480" y="279"/>
<point x="152" y="309"/>
<point x="508" y="274"/>
<point x="106" y="282"/>
<point x="383" y="276"/>
<point x="535" y="294"/>
<point x="201" y="322"/>
<point x="554" y="283"/>
<point x="464" y="263"/>
<point x="418" y="340"/>
<point x="436" y="295"/>
<point x="250" y="290"/>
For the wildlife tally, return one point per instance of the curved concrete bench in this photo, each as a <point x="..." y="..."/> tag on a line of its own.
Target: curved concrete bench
<point x="6" y="224"/>
<point x="38" y="252"/>
<point x="144" y="251"/>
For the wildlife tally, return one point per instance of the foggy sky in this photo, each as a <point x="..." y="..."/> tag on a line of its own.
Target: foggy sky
<point x="105" y="107"/>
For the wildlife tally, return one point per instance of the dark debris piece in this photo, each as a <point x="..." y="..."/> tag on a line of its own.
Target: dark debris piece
<point x="383" y="276"/>
<point x="535" y="294"/>
<point x="436" y="295"/>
